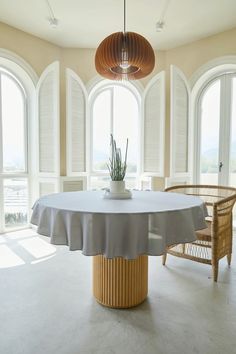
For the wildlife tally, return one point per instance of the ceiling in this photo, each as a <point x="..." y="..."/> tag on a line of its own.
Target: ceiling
<point x="85" y="23"/>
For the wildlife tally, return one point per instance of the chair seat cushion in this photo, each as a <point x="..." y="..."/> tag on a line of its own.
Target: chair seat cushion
<point x="205" y="234"/>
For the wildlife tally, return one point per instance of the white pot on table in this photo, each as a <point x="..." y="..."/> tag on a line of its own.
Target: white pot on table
<point x="117" y="187"/>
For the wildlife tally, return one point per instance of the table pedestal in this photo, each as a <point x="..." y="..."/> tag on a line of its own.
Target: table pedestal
<point x="120" y="283"/>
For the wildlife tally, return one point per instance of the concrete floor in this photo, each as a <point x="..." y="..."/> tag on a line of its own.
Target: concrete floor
<point x="47" y="305"/>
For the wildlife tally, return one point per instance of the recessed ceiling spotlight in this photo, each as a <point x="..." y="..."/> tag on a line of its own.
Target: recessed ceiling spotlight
<point x="159" y="26"/>
<point x="53" y="22"/>
<point x="161" y="22"/>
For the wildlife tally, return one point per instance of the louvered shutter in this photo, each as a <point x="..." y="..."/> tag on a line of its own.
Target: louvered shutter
<point x="48" y="121"/>
<point x="47" y="186"/>
<point x="76" y="104"/>
<point x="154" y="126"/>
<point x="73" y="184"/>
<point x="179" y="128"/>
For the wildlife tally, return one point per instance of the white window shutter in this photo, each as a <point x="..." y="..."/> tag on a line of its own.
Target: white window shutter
<point x="47" y="91"/>
<point x="47" y="186"/>
<point x="180" y="126"/>
<point x="76" y="107"/>
<point x="73" y="184"/>
<point x="154" y="126"/>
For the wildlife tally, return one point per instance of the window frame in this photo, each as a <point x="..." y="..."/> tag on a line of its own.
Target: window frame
<point x="23" y="175"/>
<point x="225" y="77"/>
<point x="200" y="79"/>
<point x="93" y="94"/>
<point x="23" y="74"/>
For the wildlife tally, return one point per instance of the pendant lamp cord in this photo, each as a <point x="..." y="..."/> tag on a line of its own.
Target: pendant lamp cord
<point x="124" y="16"/>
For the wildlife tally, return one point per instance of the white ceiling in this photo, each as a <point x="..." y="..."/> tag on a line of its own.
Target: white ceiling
<point x="85" y="23"/>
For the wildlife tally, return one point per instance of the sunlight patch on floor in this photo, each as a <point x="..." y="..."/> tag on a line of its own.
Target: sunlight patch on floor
<point x="24" y="247"/>
<point x="2" y="240"/>
<point x="37" y="247"/>
<point x="43" y="259"/>
<point x="8" y="258"/>
<point x="15" y="235"/>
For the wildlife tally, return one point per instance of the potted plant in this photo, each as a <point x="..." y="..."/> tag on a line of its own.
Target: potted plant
<point x="117" y="168"/>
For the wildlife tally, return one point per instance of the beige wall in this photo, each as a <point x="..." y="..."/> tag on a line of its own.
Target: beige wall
<point x="39" y="54"/>
<point x="191" y="56"/>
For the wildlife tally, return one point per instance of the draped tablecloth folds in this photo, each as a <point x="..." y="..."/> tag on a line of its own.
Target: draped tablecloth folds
<point x="145" y="224"/>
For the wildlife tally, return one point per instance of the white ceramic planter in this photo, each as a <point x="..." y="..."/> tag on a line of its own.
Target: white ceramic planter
<point x="117" y="187"/>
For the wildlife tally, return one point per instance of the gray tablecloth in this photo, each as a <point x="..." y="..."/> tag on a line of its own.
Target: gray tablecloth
<point x="145" y="224"/>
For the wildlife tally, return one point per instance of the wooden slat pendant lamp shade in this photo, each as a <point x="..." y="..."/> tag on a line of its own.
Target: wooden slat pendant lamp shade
<point x="124" y="55"/>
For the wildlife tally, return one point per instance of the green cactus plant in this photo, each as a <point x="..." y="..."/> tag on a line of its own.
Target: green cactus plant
<point x="116" y="167"/>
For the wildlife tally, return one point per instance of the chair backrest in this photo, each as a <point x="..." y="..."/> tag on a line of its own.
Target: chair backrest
<point x="221" y="228"/>
<point x="223" y="197"/>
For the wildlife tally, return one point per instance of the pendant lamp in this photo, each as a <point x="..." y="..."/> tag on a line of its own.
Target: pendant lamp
<point x="124" y="55"/>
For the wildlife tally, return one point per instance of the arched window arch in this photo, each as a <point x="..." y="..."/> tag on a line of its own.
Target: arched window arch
<point x="128" y="110"/>
<point x="115" y="108"/>
<point x="210" y="131"/>
<point x="13" y="151"/>
<point x="17" y="95"/>
<point x="214" y="111"/>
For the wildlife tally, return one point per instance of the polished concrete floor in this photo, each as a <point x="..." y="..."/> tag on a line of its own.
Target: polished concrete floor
<point x="47" y="305"/>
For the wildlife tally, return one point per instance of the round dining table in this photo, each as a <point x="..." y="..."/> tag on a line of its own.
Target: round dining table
<point x="119" y="234"/>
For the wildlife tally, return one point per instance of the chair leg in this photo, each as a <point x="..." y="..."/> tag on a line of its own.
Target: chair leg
<point x="229" y="258"/>
<point x="164" y="258"/>
<point x="215" y="271"/>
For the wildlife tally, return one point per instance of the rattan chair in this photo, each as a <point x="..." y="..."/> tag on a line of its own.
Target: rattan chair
<point x="214" y="242"/>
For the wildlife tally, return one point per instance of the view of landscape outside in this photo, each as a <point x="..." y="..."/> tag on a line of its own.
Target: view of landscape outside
<point x="15" y="190"/>
<point x="98" y="182"/>
<point x="13" y="126"/>
<point x="210" y="128"/>
<point x="15" y="202"/>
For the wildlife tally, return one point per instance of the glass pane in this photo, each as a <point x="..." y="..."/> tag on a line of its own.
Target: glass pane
<point x="147" y="183"/>
<point x="232" y="161"/>
<point x="97" y="183"/>
<point x="210" y="122"/>
<point x="15" y="202"/>
<point x="131" y="183"/>
<point x="125" y="108"/>
<point x="13" y="126"/>
<point x="101" y="130"/>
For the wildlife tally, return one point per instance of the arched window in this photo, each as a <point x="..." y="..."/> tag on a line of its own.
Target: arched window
<point x="114" y="109"/>
<point x="124" y="109"/>
<point x="17" y="140"/>
<point x="210" y="129"/>
<point x="216" y="126"/>
<point x="13" y="151"/>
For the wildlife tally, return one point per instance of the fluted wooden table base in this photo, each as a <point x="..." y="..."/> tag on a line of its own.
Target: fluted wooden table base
<point x="119" y="282"/>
